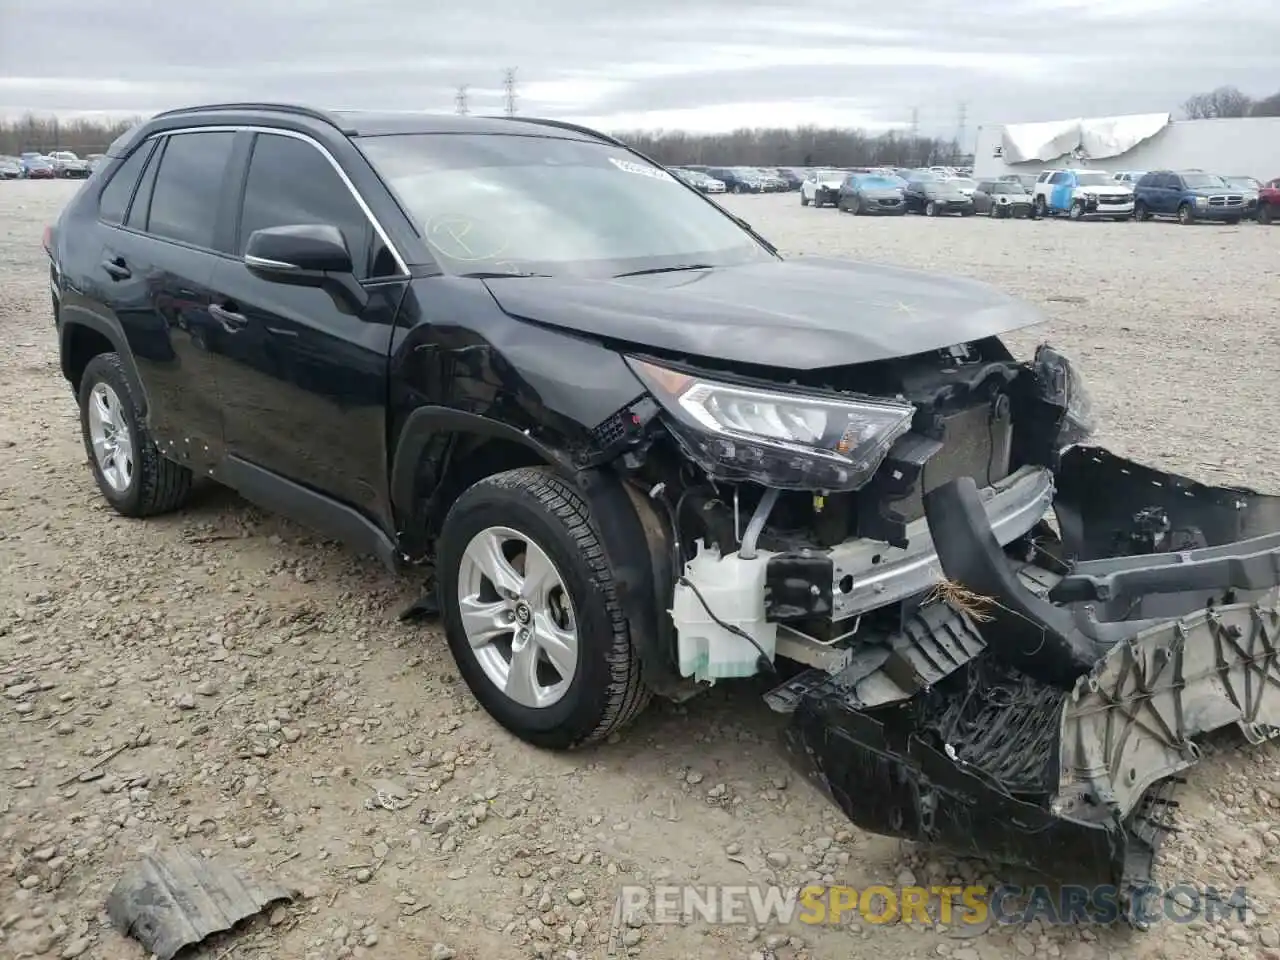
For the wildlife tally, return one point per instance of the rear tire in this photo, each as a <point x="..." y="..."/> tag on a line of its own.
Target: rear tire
<point x="605" y="690"/>
<point x="130" y="472"/>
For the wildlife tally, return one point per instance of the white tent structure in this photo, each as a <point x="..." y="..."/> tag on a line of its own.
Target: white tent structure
<point x="1148" y="141"/>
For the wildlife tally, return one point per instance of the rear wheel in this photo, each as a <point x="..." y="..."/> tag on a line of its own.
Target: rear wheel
<point x="853" y="205"/>
<point x="531" y="611"/>
<point x="131" y="474"/>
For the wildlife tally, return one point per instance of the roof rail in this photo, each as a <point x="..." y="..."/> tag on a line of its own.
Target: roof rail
<point x="566" y="125"/>
<point x="293" y="108"/>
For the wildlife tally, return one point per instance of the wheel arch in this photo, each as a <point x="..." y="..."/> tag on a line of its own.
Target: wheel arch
<point x="442" y="452"/>
<point x="84" y="336"/>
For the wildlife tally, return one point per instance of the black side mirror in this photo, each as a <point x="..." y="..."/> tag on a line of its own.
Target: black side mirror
<point x="299" y="253"/>
<point x="307" y="255"/>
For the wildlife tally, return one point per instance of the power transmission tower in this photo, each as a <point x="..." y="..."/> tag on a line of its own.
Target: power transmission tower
<point x="509" y="85"/>
<point x="961" y="127"/>
<point x="460" y="101"/>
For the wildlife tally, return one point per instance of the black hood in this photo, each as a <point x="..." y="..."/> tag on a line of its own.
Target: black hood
<point x="800" y="314"/>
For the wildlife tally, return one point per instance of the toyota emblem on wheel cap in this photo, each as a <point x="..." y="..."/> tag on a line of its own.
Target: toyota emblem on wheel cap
<point x="522" y="612"/>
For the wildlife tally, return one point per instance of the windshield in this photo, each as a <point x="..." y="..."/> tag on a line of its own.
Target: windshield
<point x="877" y="180"/>
<point x="963" y="182"/>
<point x="1006" y="186"/>
<point x="544" y="205"/>
<point x="1094" y="179"/>
<point x="1194" y="180"/>
<point x="1249" y="182"/>
<point x="829" y="175"/>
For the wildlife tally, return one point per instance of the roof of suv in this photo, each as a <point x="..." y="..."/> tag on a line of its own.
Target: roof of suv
<point x="353" y="123"/>
<point x="371" y="123"/>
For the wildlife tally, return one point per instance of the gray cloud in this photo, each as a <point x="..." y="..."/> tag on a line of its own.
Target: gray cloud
<point x="660" y="63"/>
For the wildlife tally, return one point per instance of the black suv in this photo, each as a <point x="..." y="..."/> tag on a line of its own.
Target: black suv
<point x="632" y="449"/>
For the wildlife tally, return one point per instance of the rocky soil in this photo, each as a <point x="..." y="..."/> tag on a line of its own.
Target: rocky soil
<point x="224" y="679"/>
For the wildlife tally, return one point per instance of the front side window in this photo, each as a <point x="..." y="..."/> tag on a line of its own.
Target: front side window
<point x="290" y="182"/>
<point x="498" y="203"/>
<point x="184" y="201"/>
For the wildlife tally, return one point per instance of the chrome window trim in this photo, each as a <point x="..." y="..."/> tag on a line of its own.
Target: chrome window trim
<point x="401" y="264"/>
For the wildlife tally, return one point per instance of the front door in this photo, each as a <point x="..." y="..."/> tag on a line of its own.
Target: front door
<point x="303" y="373"/>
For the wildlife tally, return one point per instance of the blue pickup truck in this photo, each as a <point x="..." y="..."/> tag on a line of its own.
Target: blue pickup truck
<point x="1188" y="195"/>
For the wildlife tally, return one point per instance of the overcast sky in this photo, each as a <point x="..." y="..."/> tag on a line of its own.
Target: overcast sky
<point x="714" y="64"/>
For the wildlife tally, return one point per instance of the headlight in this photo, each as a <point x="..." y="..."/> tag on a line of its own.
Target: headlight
<point x="792" y="441"/>
<point x="1060" y="384"/>
<point x="1202" y="201"/>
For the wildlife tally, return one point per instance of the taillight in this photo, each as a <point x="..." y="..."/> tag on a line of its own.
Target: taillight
<point x="47" y="240"/>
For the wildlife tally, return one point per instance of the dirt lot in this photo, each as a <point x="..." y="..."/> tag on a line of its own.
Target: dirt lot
<point x="260" y="690"/>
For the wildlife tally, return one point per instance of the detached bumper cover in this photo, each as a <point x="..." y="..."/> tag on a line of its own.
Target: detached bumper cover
<point x="1049" y="737"/>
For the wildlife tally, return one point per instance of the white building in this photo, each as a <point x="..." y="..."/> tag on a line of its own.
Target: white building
<point x="1151" y="141"/>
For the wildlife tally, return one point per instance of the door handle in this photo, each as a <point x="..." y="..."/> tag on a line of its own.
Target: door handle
<point x="228" y="316"/>
<point x="116" y="268"/>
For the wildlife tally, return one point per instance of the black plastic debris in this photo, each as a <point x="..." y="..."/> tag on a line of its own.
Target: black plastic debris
<point x="174" y="899"/>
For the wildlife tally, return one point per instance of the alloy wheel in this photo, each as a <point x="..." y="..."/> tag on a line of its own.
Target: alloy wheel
<point x="518" y="617"/>
<point x="110" y="437"/>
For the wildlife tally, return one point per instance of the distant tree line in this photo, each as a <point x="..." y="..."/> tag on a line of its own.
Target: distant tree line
<point x="795" y="147"/>
<point x="1230" y="102"/>
<point x="46" y="134"/>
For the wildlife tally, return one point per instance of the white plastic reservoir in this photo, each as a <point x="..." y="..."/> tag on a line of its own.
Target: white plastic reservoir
<point x="734" y="590"/>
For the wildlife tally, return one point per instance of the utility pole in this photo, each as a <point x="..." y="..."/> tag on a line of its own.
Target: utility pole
<point x="962" y="127"/>
<point x="913" y="148"/>
<point x="460" y="101"/>
<point x="509" y="85"/>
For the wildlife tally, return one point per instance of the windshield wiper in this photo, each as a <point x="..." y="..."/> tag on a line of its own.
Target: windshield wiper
<point x="499" y="274"/>
<point x="676" y="269"/>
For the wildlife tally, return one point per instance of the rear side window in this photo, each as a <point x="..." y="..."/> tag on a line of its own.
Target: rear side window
<point x="291" y="182"/>
<point x="184" y="201"/>
<point x="113" y="202"/>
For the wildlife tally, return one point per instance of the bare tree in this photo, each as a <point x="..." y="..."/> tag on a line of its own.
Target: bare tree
<point x="1266" y="107"/>
<point x="797" y="147"/>
<point x="45" y="134"/>
<point x="1222" y="102"/>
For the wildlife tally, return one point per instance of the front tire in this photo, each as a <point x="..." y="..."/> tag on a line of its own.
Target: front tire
<point x="531" y="611"/>
<point x="804" y="201"/>
<point x="1265" y="213"/>
<point x="131" y="473"/>
<point x="930" y="209"/>
<point x="1041" y="207"/>
<point x="1186" y="216"/>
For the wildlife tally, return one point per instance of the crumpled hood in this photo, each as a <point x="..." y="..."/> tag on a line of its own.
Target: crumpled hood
<point x="800" y="314"/>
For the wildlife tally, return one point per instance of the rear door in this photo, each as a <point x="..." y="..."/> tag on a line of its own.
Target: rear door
<point x="157" y="259"/>
<point x="304" y="374"/>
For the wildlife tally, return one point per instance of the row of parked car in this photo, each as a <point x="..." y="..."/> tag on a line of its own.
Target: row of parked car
<point x="60" y="164"/>
<point x="710" y="179"/>
<point x="1186" y="195"/>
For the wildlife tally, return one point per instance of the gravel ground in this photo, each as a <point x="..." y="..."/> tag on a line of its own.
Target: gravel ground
<point x="261" y="692"/>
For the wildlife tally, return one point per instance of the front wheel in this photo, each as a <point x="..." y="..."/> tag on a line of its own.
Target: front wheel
<point x="1186" y="216"/>
<point x="930" y="209"/>
<point x="1140" y="212"/>
<point x="1041" y="207"/>
<point x="1077" y="210"/>
<point x="531" y="611"/>
<point x="804" y="201"/>
<point x="131" y="473"/>
<point x="1265" y="213"/>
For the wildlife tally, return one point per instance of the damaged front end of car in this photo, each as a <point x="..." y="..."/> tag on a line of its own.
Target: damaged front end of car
<point x="978" y="677"/>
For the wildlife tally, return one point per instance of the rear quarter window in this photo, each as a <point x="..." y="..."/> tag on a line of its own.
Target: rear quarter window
<point x="113" y="202"/>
